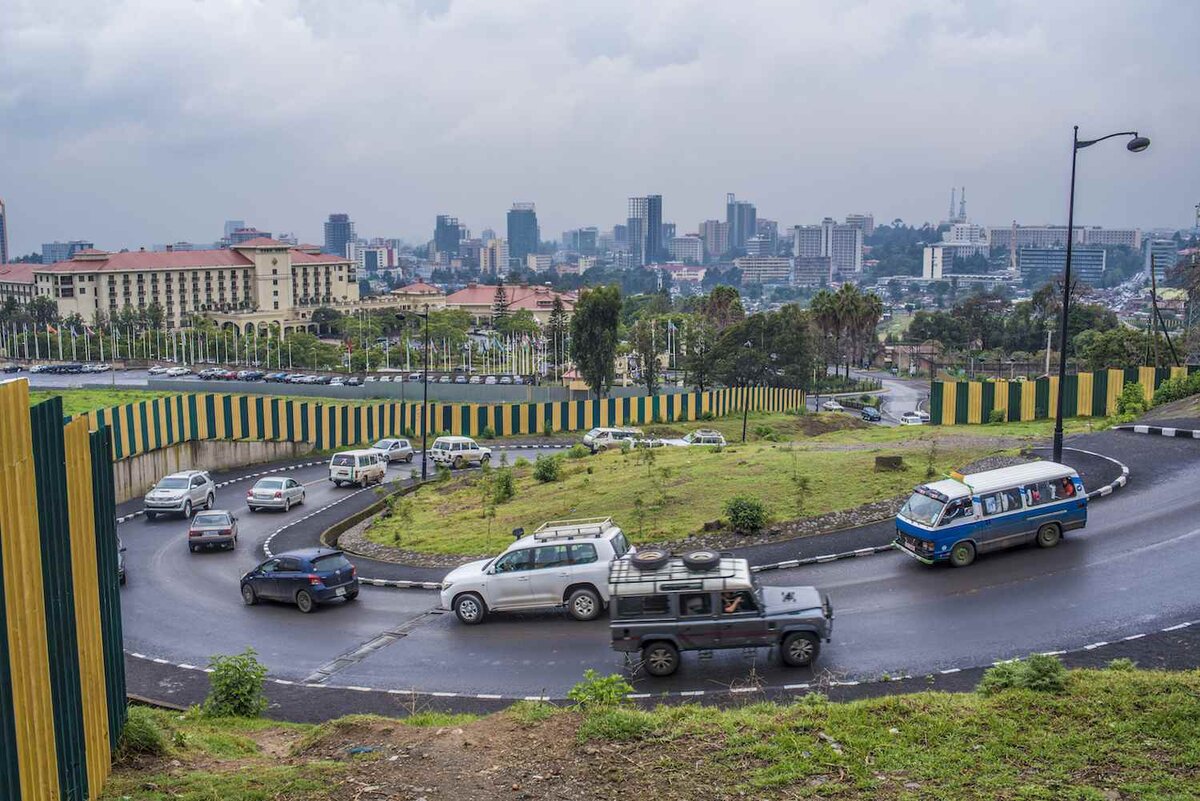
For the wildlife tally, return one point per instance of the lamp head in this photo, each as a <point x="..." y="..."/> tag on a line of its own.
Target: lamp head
<point x="1138" y="143"/>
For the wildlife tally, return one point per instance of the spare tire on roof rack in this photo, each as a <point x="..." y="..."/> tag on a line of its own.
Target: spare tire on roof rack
<point x="650" y="558"/>
<point x="702" y="560"/>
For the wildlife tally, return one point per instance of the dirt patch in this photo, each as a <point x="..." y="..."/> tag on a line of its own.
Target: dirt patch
<point x="1188" y="408"/>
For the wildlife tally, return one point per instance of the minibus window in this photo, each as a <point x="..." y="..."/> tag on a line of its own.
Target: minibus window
<point x="921" y="509"/>
<point x="957" y="510"/>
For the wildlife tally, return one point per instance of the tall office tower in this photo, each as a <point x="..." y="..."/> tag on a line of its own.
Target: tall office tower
<point x="768" y="230"/>
<point x="493" y="257"/>
<point x="668" y="232"/>
<point x="523" y="237"/>
<point x="242" y="235"/>
<point x="488" y="235"/>
<point x="843" y="245"/>
<point x="645" y="229"/>
<point x="54" y="252"/>
<point x="742" y="219"/>
<point x="1159" y="255"/>
<point x="636" y="227"/>
<point x="588" y="240"/>
<point x="339" y="232"/>
<point x="716" y="238"/>
<point x="807" y="241"/>
<point x="230" y="227"/>
<point x="620" y="236"/>
<point x="864" y="221"/>
<point x="3" y="233"/>
<point x="447" y="233"/>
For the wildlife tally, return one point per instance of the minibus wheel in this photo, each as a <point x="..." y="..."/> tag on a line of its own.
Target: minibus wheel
<point x="962" y="554"/>
<point x="1049" y="535"/>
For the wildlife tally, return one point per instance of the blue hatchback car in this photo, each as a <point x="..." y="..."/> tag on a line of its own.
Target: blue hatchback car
<point x="305" y="578"/>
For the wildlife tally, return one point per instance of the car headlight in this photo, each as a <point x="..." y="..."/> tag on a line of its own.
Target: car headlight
<point x="447" y="585"/>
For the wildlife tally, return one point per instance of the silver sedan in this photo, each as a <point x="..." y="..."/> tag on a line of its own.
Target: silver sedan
<point x="275" y="493"/>
<point x="394" y="450"/>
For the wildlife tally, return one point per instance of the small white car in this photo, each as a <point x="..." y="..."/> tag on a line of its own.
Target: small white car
<point x="394" y="450"/>
<point x="600" y="439"/>
<point x="924" y="415"/>
<point x="832" y="406"/>
<point x="157" y="369"/>
<point x="180" y="493"/>
<point x="275" y="493"/>
<point x="701" y="436"/>
<point x="563" y="564"/>
<point x="362" y="467"/>
<point x="458" y="452"/>
<point x="178" y="371"/>
<point x="911" y="419"/>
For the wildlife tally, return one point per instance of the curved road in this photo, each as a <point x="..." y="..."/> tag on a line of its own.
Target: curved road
<point x="1131" y="571"/>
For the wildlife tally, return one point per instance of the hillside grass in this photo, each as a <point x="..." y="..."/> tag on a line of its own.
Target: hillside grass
<point x="1113" y="735"/>
<point x="656" y="494"/>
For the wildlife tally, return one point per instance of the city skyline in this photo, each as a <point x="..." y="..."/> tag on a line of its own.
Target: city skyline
<point x="613" y="103"/>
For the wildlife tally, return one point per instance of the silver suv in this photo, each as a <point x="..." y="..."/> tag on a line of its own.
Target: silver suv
<point x="180" y="493"/>
<point x="563" y="563"/>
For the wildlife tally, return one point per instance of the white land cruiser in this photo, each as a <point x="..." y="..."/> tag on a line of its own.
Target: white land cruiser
<point x="458" y="452"/>
<point x="563" y="563"/>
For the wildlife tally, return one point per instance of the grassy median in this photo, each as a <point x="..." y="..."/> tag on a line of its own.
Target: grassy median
<point x="1112" y="735"/>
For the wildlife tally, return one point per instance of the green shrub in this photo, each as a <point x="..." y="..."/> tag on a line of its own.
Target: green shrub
<point x="236" y="686"/>
<point x="1040" y="673"/>
<point x="443" y="473"/>
<point x="746" y="514"/>
<point x="765" y="432"/>
<point x="616" y="724"/>
<point x="504" y="488"/>
<point x="578" y="451"/>
<point x="521" y="461"/>
<point x="1132" y="399"/>
<point x="704" y="417"/>
<point x="1122" y="664"/>
<point x="996" y="416"/>
<point x="487" y="433"/>
<point x="142" y="735"/>
<point x="599" y="692"/>
<point x="1174" y="389"/>
<point x="531" y="712"/>
<point x="547" y="469"/>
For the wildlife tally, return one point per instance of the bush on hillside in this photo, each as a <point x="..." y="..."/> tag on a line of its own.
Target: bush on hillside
<point x="547" y="469"/>
<point x="1132" y="399"/>
<point x="1040" y="673"/>
<point x="236" y="686"/>
<point x="1174" y="389"/>
<point x="746" y="514"/>
<point x="141" y="735"/>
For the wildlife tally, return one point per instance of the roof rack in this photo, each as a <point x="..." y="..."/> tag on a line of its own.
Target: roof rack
<point x="567" y="529"/>
<point x="730" y="573"/>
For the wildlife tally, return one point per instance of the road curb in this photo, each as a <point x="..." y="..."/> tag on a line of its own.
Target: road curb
<point x="1162" y="431"/>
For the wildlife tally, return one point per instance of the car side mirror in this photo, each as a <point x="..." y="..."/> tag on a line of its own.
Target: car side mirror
<point x="122" y="549"/>
<point x="518" y="533"/>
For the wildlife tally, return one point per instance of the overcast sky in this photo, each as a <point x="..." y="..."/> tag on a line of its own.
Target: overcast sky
<point x="142" y="121"/>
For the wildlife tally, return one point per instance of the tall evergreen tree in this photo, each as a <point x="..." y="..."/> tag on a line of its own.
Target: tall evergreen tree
<point x="594" y="336"/>
<point x="556" y="334"/>
<point x="499" y="304"/>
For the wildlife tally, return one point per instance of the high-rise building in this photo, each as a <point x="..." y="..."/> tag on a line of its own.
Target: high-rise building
<point x="54" y="252"/>
<point x="493" y="257"/>
<point x="807" y="241"/>
<point x="239" y="236"/>
<point x="716" y="238"/>
<point x="768" y="230"/>
<point x="668" y="232"/>
<point x="488" y="235"/>
<point x="765" y="269"/>
<point x="759" y="245"/>
<point x="1039" y="265"/>
<point x="3" y="233"/>
<point x="1161" y="255"/>
<point x="447" y="233"/>
<point x="688" y="248"/>
<point x="843" y="244"/>
<point x="230" y="227"/>
<point x="581" y="240"/>
<point x="866" y="222"/>
<point x="339" y="232"/>
<point x="812" y="271"/>
<point x="742" y="219"/>
<point x="523" y="236"/>
<point x="645" y="229"/>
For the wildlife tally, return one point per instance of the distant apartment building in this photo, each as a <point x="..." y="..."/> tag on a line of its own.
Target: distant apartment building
<point x="447" y="233"/>
<point x="668" y="233"/>
<point x="716" y="238"/>
<point x="230" y="227"/>
<point x="688" y="248"/>
<point x="1040" y="265"/>
<point x="373" y="258"/>
<point x="690" y="274"/>
<point x="959" y="241"/>
<point x="742" y="218"/>
<point x="523" y="234"/>
<point x="841" y="244"/>
<point x="16" y="283"/>
<point x="645" y="229"/>
<point x="937" y="262"/>
<point x="808" y="241"/>
<point x="538" y="262"/>
<point x="759" y="246"/>
<point x="339" y="232"/>
<point x="3" y="233"/>
<point x="493" y="257"/>
<point x="239" y="235"/>
<point x="61" y="251"/>
<point x="812" y="271"/>
<point x="764" y="269"/>
<point x="768" y="230"/>
<point x="581" y="240"/>
<point x="1113" y="237"/>
<point x="863" y="222"/>
<point x="257" y="283"/>
<point x="487" y="235"/>
<point x="1016" y="236"/>
<point x="1161" y="256"/>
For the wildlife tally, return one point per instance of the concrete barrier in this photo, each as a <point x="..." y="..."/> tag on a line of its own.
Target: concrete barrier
<point x="137" y="474"/>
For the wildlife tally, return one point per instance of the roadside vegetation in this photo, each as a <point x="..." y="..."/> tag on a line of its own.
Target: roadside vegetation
<point x="1119" y="733"/>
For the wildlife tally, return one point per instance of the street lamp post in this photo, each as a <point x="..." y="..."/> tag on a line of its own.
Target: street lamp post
<point x="745" y="396"/>
<point x="1136" y="144"/>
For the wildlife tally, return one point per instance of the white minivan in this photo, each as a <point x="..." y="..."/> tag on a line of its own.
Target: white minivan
<point x="357" y="467"/>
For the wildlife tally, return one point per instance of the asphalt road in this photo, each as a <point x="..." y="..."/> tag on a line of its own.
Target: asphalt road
<point x="1131" y="571"/>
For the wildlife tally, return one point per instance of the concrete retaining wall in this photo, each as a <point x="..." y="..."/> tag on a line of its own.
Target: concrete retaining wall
<point x="137" y="474"/>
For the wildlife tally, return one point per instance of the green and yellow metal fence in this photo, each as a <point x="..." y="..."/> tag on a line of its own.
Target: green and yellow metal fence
<point x="62" y="673"/>
<point x="1091" y="394"/>
<point x="148" y="425"/>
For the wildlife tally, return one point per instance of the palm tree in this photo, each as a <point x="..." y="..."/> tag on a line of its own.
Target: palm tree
<point x="825" y="318"/>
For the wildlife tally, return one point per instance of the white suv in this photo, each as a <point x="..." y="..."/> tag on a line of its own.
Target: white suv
<point x="600" y="439"/>
<point x="563" y="563"/>
<point x="180" y="493"/>
<point x="458" y="452"/>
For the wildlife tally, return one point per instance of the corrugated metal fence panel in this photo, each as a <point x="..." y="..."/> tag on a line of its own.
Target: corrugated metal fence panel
<point x="10" y="770"/>
<point x="108" y="588"/>
<point x="57" y="584"/>
<point x="25" y="604"/>
<point x="85" y="590"/>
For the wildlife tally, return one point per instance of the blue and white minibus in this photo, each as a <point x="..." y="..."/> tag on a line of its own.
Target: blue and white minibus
<point x="955" y="519"/>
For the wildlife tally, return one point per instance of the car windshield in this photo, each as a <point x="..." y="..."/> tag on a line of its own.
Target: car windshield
<point x="173" y="483"/>
<point x="592" y="433"/>
<point x="342" y="460"/>
<point x="269" y="483"/>
<point x="210" y="520"/>
<point x="383" y="444"/>
<point x="328" y="564"/>
<point x="921" y="509"/>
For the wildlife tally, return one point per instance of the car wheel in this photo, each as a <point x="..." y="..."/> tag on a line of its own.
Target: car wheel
<point x="151" y="515"/>
<point x="962" y="554"/>
<point x="287" y="505"/>
<point x="487" y="457"/>
<point x="702" y="560"/>
<point x="249" y="597"/>
<point x="1049" y="535"/>
<point x="353" y="594"/>
<point x="799" y="649"/>
<point x="303" y="496"/>
<point x="337" y="483"/>
<point x="252" y="508"/>
<point x="304" y="601"/>
<point x="650" y="558"/>
<point x="210" y="501"/>
<point x="191" y="547"/>
<point x="584" y="604"/>
<point x="409" y="458"/>
<point x="459" y="463"/>
<point x="187" y="509"/>
<point x="660" y="658"/>
<point x="469" y="608"/>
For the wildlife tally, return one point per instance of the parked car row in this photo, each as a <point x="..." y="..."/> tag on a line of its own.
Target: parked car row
<point x="451" y="378"/>
<point x="70" y="368"/>
<point x="601" y="439"/>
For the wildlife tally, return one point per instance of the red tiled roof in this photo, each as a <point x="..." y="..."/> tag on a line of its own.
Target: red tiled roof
<point x="17" y="273"/>
<point x="303" y="257"/>
<point x="519" y="297"/>
<point x="260" y="242"/>
<point x="419" y="288"/>
<point x="174" y="260"/>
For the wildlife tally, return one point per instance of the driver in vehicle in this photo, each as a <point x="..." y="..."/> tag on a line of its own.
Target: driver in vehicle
<point x="733" y="602"/>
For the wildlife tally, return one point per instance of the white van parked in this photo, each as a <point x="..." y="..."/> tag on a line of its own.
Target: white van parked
<point x="602" y="439"/>
<point x="458" y="452"/>
<point x="357" y="467"/>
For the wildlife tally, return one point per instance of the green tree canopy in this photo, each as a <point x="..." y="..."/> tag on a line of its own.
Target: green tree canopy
<point x="594" y="336"/>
